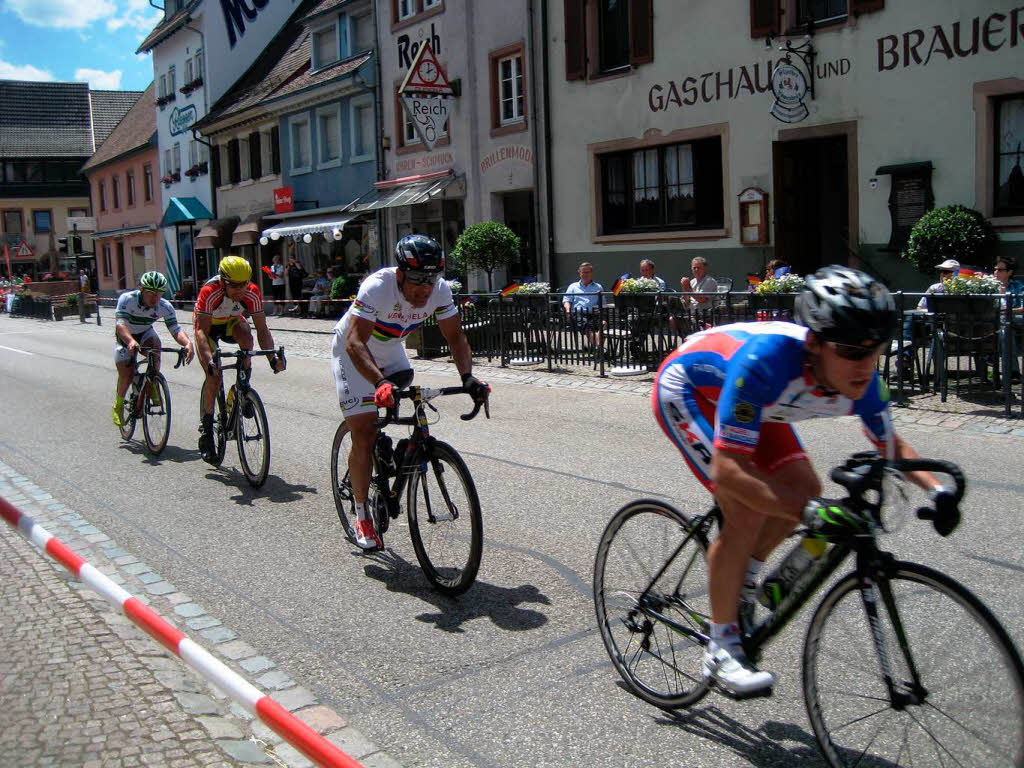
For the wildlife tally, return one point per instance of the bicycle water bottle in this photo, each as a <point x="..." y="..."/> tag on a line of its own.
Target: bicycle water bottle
<point x="780" y="583"/>
<point x="231" y="398"/>
<point x="385" y="455"/>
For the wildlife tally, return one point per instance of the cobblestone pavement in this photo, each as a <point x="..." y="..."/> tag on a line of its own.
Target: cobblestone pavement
<point x="80" y="685"/>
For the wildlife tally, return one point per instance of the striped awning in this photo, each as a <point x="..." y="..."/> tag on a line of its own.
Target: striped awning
<point x="182" y="210"/>
<point x="410" y="190"/>
<point x="311" y="226"/>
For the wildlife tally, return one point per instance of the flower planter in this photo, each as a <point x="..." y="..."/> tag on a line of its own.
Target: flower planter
<point x="773" y="301"/>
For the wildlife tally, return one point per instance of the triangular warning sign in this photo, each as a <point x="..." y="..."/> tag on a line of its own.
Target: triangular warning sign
<point x="426" y="74"/>
<point x="24" y="251"/>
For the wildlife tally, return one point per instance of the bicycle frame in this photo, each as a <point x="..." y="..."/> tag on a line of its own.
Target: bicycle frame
<point x="149" y="374"/>
<point x="243" y="374"/>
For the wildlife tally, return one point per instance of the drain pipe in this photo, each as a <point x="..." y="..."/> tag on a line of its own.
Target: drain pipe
<point x="530" y="51"/>
<point x="547" y="144"/>
<point x="377" y="99"/>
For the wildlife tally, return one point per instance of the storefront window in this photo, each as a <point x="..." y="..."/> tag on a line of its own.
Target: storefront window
<point x="1009" y="192"/>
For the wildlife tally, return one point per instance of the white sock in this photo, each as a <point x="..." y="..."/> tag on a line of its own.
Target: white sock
<point x="361" y="513"/>
<point x="724" y="636"/>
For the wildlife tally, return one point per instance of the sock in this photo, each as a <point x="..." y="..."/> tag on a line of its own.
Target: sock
<point x="361" y="513"/>
<point x="724" y="636"/>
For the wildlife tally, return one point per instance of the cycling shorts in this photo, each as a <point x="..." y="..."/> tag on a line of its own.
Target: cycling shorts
<point x="355" y="392"/>
<point x="688" y="419"/>
<point x="224" y="331"/>
<point x="121" y="354"/>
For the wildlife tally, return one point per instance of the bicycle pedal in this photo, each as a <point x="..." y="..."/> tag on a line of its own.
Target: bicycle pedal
<point x="764" y="693"/>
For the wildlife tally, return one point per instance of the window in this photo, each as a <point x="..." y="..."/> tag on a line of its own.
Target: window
<point x="106" y="260"/>
<point x="193" y="153"/>
<point x="168" y="163"/>
<point x="163" y="86"/>
<point x="299" y="139"/>
<point x="363" y="134"/>
<point x="820" y="10"/>
<point x="275" y="150"/>
<point x="103" y="196"/>
<point x="244" y="158"/>
<point x="234" y="162"/>
<point x="613" y="34"/>
<point x="130" y="187"/>
<point x="328" y="130"/>
<point x="78" y="212"/>
<point x="115" y="190"/>
<point x="12" y="222"/>
<point x="171" y="82"/>
<point x="325" y="46"/>
<point x="428" y="4"/>
<point x="669" y="187"/>
<point x="199" y="64"/>
<point x="1009" y="143"/>
<point x="406" y="9"/>
<point x="147" y="182"/>
<point x="361" y="33"/>
<point x="42" y="221"/>
<point x="625" y="36"/>
<point x="177" y="158"/>
<point x="510" y="89"/>
<point x="188" y="71"/>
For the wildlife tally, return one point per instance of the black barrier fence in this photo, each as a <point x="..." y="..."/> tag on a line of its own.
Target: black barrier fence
<point x="971" y="344"/>
<point x="25" y="305"/>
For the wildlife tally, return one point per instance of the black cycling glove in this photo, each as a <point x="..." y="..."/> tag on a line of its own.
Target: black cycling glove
<point x="477" y="389"/>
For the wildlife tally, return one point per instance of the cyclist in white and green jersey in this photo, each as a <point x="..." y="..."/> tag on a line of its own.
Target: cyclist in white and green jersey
<point x="136" y="313"/>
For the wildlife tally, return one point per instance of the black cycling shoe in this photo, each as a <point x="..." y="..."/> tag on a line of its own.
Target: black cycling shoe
<point x="248" y="410"/>
<point x="206" y="448"/>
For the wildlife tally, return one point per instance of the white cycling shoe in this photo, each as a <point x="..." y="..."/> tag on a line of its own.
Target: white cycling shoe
<point x="730" y="668"/>
<point x="366" y="535"/>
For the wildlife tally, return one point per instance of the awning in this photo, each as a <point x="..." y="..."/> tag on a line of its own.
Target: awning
<point x="311" y="226"/>
<point x="216" y="234"/>
<point x="181" y="210"/>
<point x="410" y="190"/>
<point x="124" y="231"/>
<point x="249" y="231"/>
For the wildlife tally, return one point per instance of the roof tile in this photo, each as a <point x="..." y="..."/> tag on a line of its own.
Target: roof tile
<point x="136" y="130"/>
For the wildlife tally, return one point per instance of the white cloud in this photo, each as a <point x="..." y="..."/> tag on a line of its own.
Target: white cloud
<point x="138" y="14"/>
<point x="98" y="79"/>
<point x="61" y="14"/>
<point x="10" y="71"/>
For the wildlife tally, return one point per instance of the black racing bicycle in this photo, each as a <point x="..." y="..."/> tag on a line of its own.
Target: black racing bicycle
<point x="902" y="665"/>
<point x="150" y="400"/>
<point x="240" y="414"/>
<point x="442" y="505"/>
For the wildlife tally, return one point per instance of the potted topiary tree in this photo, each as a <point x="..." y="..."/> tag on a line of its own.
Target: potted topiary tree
<point x="488" y="245"/>
<point x="953" y="232"/>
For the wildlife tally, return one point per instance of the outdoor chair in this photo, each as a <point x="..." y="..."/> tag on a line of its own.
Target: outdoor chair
<point x="968" y="327"/>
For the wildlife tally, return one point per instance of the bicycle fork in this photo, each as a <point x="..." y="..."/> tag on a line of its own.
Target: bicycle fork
<point x="908" y="692"/>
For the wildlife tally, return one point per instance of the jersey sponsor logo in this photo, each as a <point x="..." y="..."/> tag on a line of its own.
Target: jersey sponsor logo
<point x="883" y="391"/>
<point x="739" y="434"/>
<point x="743" y="412"/>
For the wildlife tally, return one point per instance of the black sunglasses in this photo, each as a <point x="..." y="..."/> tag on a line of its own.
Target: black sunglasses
<point x="854" y="351"/>
<point x="420" y="278"/>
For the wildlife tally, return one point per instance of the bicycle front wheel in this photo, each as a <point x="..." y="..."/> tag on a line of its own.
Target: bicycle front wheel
<point x="128" y="414"/>
<point x="637" y="608"/>
<point x="958" y="680"/>
<point x="341" y="488"/>
<point x="156" y="416"/>
<point x="252" y="433"/>
<point x="445" y="522"/>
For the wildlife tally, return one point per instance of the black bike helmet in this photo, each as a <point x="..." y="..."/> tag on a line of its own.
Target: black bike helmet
<point x="420" y="254"/>
<point x="847" y="306"/>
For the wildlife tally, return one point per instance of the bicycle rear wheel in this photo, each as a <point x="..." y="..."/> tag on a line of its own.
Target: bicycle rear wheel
<point x="445" y="522"/>
<point x="156" y="417"/>
<point x="969" y="707"/>
<point x="252" y="433"/>
<point x="341" y="488"/>
<point x="659" y="664"/>
<point x="129" y="414"/>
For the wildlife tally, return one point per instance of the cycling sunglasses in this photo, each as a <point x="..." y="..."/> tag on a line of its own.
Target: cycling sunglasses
<point x="854" y="351"/>
<point x="416" y="277"/>
<point x="233" y="283"/>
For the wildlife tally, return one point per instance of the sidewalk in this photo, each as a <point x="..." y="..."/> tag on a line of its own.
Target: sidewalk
<point x="80" y="685"/>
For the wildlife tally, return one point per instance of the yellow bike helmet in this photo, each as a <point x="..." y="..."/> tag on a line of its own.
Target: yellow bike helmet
<point x="235" y="269"/>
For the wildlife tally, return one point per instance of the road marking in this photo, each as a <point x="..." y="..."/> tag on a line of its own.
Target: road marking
<point x="19" y="351"/>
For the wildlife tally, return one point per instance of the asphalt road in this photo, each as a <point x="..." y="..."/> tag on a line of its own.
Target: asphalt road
<point x="514" y="672"/>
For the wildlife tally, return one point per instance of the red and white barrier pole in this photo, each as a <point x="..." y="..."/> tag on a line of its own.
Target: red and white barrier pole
<point x="284" y="723"/>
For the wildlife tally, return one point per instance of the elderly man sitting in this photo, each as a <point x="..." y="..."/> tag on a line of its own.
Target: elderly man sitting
<point x="701" y="282"/>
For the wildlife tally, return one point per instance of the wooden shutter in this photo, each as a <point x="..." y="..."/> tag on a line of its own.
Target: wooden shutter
<point x="234" y="162"/>
<point x="764" y="18"/>
<point x="866" y="6"/>
<point x="215" y="159"/>
<point x="575" y="39"/>
<point x="275" y="150"/>
<point x="255" y="155"/>
<point x="641" y="31"/>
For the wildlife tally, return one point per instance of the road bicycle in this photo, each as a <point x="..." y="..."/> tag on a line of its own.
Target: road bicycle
<point x="150" y="400"/>
<point x="442" y="505"/>
<point x="240" y="414"/>
<point x="902" y="665"/>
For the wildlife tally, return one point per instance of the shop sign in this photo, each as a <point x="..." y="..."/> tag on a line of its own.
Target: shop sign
<point x="506" y="154"/>
<point x="407" y="49"/>
<point x="422" y="163"/>
<point x="24" y="251"/>
<point x="283" y="202"/>
<point x="182" y="119"/>
<point x="959" y="40"/>
<point x="428" y="115"/>
<point x="790" y="88"/>
<point x="427" y="95"/>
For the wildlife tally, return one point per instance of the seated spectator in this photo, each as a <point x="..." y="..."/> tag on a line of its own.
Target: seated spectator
<point x="319" y="294"/>
<point x="647" y="270"/>
<point x="1005" y="271"/>
<point x="776" y="268"/>
<point x="947" y="270"/>
<point x="582" y="300"/>
<point x="701" y="282"/>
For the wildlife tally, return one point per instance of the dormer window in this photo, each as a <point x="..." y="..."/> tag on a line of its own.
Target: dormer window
<point x="325" y="46"/>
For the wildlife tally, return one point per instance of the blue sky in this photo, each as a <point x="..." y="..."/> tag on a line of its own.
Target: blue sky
<point x="90" y="41"/>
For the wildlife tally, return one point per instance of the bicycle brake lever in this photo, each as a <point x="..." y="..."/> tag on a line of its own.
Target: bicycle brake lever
<point x="472" y="414"/>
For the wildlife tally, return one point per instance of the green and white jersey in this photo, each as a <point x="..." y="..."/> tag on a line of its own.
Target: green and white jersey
<point x="139" y="318"/>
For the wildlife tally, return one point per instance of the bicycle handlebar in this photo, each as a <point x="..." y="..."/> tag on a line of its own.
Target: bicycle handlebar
<point x="428" y="393"/>
<point x="151" y="352"/>
<point x="863" y="472"/>
<point x="243" y="353"/>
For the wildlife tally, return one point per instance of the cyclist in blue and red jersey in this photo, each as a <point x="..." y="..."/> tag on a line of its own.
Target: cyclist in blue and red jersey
<point x="726" y="398"/>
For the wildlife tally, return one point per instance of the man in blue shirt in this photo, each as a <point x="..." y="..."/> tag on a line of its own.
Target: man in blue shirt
<point x="582" y="299"/>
